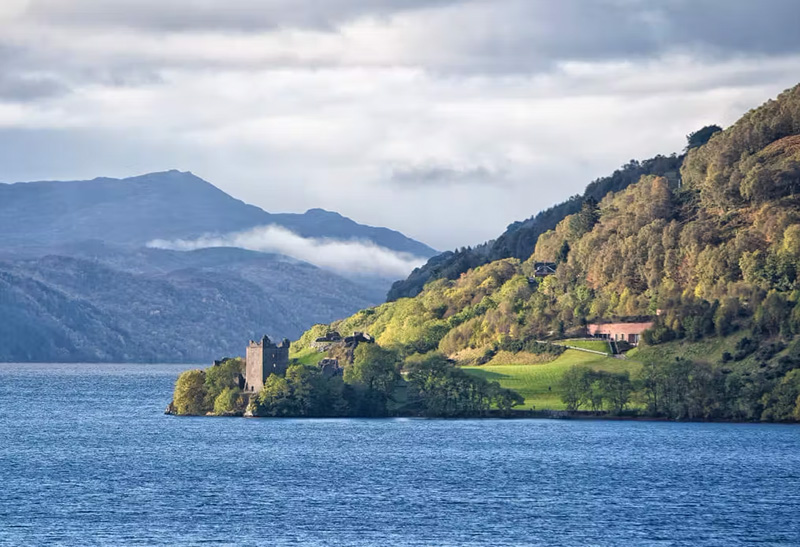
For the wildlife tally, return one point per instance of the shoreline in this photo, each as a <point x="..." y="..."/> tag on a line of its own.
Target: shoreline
<point x="516" y="415"/>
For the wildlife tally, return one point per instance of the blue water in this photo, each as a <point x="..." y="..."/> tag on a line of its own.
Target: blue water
<point x="87" y="457"/>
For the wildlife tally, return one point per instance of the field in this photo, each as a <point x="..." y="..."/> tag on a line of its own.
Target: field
<point x="539" y="383"/>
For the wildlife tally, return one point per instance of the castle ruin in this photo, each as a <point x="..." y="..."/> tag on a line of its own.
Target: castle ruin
<point x="262" y="359"/>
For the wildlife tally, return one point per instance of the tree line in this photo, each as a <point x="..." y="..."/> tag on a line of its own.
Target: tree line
<point x="685" y="390"/>
<point x="378" y="383"/>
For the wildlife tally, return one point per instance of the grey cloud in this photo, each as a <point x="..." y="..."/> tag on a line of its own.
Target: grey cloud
<point x="430" y="175"/>
<point x="443" y="37"/>
<point x="242" y="15"/>
<point x="23" y="88"/>
<point x="488" y="36"/>
<point x="532" y="36"/>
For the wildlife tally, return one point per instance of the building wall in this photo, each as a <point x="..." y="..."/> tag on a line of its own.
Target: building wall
<point x="630" y="332"/>
<point x="262" y="359"/>
<point x="254" y="376"/>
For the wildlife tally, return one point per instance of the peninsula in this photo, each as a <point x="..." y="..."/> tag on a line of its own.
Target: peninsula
<point x="670" y="289"/>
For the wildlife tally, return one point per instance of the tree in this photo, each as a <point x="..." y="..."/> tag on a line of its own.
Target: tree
<point x="616" y="389"/>
<point x="573" y="387"/>
<point x="221" y="376"/>
<point x="701" y="136"/>
<point x="300" y="380"/>
<point x="563" y="253"/>
<point x="504" y="399"/>
<point x="275" y="398"/>
<point x="190" y="393"/>
<point x="442" y="389"/>
<point x="375" y="372"/>
<point x="228" y="401"/>
<point x="583" y="221"/>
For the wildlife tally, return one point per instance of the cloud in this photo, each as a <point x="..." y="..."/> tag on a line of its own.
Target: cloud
<point x="447" y="120"/>
<point x="459" y="36"/>
<point x="347" y="257"/>
<point x="29" y="87"/>
<point x="432" y="173"/>
<point x="243" y="15"/>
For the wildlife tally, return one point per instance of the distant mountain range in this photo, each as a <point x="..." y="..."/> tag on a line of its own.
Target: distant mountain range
<point x="78" y="282"/>
<point x="167" y="205"/>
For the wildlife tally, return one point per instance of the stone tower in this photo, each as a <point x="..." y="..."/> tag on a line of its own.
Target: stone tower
<point x="262" y="359"/>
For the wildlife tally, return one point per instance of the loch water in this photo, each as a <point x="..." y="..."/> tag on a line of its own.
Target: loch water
<point x="87" y="457"/>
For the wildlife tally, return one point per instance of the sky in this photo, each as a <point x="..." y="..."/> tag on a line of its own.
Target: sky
<point x="444" y="119"/>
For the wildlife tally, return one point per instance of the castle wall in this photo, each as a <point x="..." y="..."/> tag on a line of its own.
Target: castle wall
<point x="254" y="376"/>
<point x="262" y="359"/>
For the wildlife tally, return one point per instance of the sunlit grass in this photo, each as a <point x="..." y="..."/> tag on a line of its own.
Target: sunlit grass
<point x="594" y="345"/>
<point x="538" y="384"/>
<point x="308" y="356"/>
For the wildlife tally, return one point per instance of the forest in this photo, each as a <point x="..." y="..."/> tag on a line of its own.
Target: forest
<point x="713" y="253"/>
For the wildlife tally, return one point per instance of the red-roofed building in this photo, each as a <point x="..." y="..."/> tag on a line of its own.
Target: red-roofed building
<point x="629" y="332"/>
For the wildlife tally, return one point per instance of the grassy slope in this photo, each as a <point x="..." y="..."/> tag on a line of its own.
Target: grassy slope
<point x="539" y="383"/>
<point x="594" y="345"/>
<point x="708" y="350"/>
<point x="307" y="356"/>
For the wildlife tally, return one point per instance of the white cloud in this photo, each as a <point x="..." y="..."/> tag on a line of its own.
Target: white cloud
<point x="347" y="257"/>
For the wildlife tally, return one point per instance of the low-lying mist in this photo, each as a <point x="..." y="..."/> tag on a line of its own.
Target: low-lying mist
<point x="342" y="256"/>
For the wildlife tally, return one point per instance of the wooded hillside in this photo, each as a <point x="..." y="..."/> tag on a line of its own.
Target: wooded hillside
<point x="716" y="254"/>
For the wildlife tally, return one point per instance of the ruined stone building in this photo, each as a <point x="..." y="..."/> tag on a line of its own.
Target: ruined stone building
<point x="264" y="358"/>
<point x="330" y="367"/>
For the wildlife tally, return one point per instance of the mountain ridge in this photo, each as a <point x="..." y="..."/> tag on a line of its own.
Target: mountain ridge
<point x="161" y="205"/>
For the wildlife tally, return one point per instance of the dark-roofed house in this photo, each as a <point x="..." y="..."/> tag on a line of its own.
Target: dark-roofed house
<point x="543" y="269"/>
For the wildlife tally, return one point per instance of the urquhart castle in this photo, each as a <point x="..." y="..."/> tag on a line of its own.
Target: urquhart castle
<point x="262" y="359"/>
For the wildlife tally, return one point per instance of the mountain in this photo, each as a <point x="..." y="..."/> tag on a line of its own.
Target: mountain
<point x="78" y="282"/>
<point x="168" y="205"/>
<point x="176" y="307"/>
<point x="715" y="261"/>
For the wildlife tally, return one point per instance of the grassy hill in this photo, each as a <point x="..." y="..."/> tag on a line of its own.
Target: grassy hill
<point x="540" y="384"/>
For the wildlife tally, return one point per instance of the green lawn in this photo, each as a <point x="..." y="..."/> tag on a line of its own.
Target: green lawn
<point x="539" y="383"/>
<point x="308" y="356"/>
<point x="594" y="345"/>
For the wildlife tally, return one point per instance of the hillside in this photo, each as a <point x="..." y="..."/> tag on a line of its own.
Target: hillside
<point x="715" y="256"/>
<point x="79" y="282"/>
<point x="519" y="239"/>
<point x="178" y="307"/>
